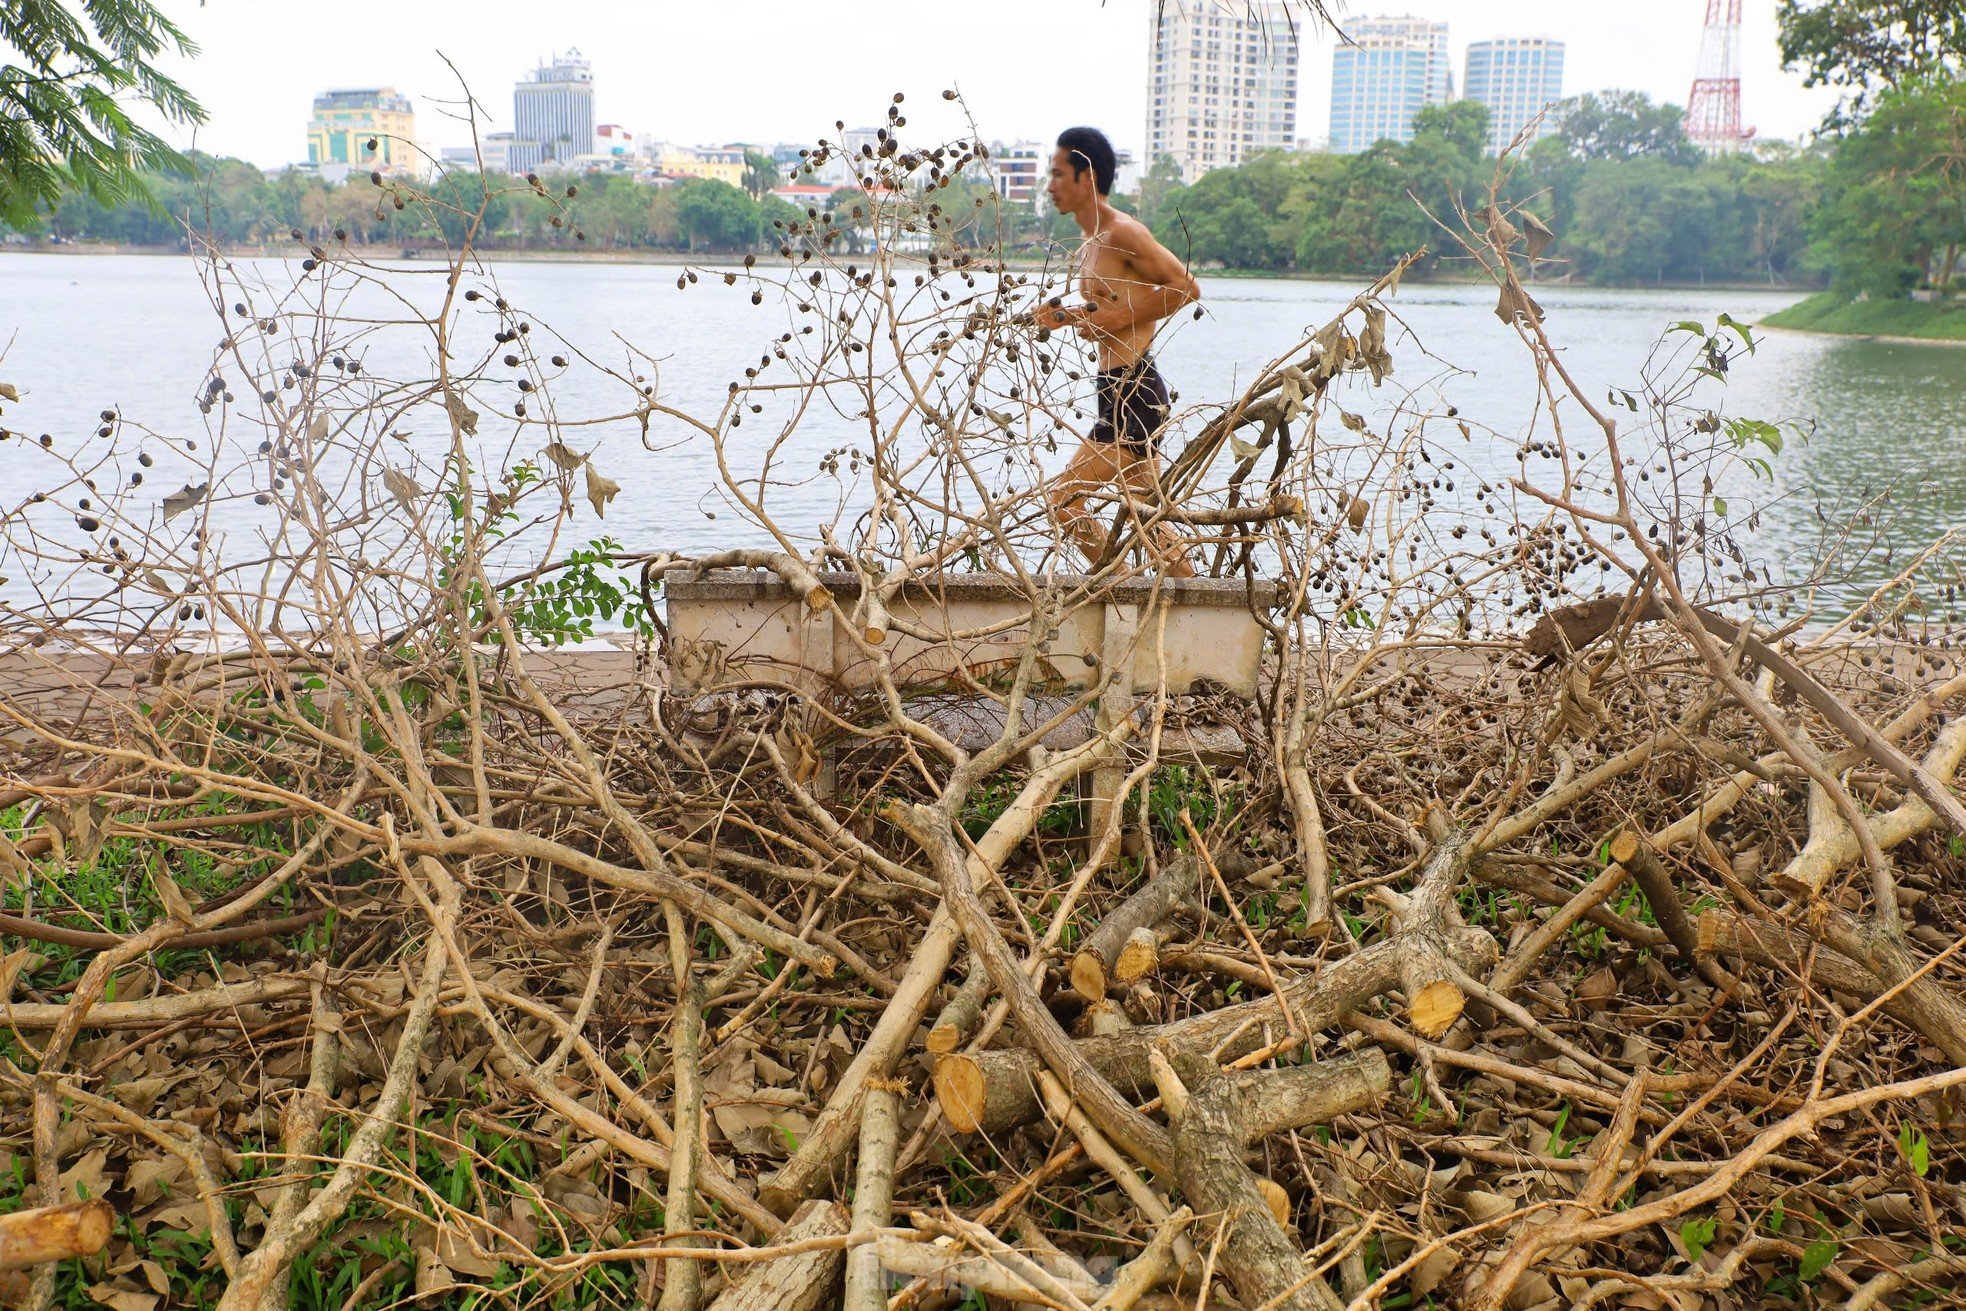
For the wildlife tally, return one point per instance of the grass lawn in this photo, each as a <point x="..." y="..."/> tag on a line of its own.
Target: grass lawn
<point x="1830" y="312"/>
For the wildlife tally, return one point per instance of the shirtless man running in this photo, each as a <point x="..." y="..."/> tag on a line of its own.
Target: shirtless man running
<point x="1130" y="282"/>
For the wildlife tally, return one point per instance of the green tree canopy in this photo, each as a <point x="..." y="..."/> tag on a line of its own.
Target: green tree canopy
<point x="1867" y="45"/>
<point x="714" y="215"/>
<point x="1623" y="125"/>
<point x="760" y="173"/>
<point x="459" y="196"/>
<point x="64" y="121"/>
<point x="1462" y="125"/>
<point x="1895" y="202"/>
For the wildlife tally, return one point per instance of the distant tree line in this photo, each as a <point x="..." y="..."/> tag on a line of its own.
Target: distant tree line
<point x="1877" y="205"/>
<point x="233" y="203"/>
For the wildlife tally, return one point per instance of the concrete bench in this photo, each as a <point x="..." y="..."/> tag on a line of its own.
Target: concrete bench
<point x="728" y="627"/>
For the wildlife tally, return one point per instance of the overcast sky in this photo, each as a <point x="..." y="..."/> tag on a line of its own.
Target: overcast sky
<point x="780" y="70"/>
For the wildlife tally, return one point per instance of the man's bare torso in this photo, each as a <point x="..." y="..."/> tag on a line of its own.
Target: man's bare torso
<point x="1107" y="277"/>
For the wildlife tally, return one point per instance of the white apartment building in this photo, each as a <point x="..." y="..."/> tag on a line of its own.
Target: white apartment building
<point x="1221" y="82"/>
<point x="553" y="114"/>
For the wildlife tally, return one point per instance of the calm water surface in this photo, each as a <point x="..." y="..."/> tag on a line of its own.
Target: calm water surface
<point x="136" y="334"/>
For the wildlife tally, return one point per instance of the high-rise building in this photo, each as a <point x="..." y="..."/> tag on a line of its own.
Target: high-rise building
<point x="1385" y="72"/>
<point x="1517" y="77"/>
<point x="1221" y="82"/>
<point x="346" y="121"/>
<point x="553" y="114"/>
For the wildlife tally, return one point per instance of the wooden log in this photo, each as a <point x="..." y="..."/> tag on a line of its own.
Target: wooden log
<point x="1101" y="1019"/>
<point x="1936" y="1016"/>
<point x="1726" y="933"/>
<point x="1273" y="1101"/>
<point x="959" y="1018"/>
<point x="1139" y="955"/>
<point x="873" y="1194"/>
<point x="952" y="1267"/>
<point x="54" y="1233"/>
<point x="838" y="1126"/>
<point x="682" y="1287"/>
<point x="1094" y="963"/>
<point x="1630" y="849"/>
<point x="992" y="1091"/>
<point x="1255" y="1251"/>
<point x="803" y="1281"/>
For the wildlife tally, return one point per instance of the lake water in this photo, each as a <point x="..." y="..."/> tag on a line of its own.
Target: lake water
<point x="81" y="334"/>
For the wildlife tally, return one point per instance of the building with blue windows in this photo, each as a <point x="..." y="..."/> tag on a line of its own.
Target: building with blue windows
<point x="1385" y="72"/>
<point x="1517" y="78"/>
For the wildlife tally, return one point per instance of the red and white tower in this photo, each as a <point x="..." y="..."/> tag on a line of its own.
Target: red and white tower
<point x="1713" y="110"/>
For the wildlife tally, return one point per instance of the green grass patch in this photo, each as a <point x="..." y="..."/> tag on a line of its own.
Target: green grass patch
<point x="1832" y="312"/>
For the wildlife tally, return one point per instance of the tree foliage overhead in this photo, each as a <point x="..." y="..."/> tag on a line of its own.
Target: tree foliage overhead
<point x="65" y="93"/>
<point x="1867" y="45"/>
<point x="1895" y="207"/>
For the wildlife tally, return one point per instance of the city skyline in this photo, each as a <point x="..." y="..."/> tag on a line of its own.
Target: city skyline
<point x="1036" y="68"/>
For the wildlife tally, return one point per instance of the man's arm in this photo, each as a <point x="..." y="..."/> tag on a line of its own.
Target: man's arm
<point x="1157" y="285"/>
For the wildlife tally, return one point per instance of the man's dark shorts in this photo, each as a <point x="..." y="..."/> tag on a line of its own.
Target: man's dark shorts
<point x="1133" y="405"/>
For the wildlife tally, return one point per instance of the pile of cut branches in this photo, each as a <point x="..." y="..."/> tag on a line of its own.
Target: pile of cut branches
<point x="1548" y="928"/>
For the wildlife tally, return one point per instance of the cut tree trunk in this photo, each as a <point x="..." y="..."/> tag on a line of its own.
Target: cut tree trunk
<point x="54" y="1233"/>
<point x="1125" y="937"/>
<point x="802" y="1281"/>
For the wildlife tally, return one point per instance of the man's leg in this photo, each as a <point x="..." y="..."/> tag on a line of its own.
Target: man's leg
<point x="1141" y="475"/>
<point x="1094" y="470"/>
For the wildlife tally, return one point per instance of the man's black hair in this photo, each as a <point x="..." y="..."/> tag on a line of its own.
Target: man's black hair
<point x="1087" y="147"/>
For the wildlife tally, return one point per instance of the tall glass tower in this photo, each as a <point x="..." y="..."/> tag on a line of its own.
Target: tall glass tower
<point x="1381" y="77"/>
<point x="1516" y="77"/>
<point x="553" y="114"/>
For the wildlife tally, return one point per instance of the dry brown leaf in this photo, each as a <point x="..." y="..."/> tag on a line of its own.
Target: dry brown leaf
<point x="153" y="1274"/>
<point x="1515" y="303"/>
<point x="403" y="487"/>
<point x="81" y="828"/>
<point x="1502" y="233"/>
<point x="1598" y="988"/>
<point x="1539" y="236"/>
<point x="600" y="489"/>
<point x="185" y="498"/>
<point x="455" y="1252"/>
<point x="153" y="1179"/>
<point x="461" y="414"/>
<point x="119" y="1298"/>
<point x="86" y="1178"/>
<point x="140" y="1095"/>
<point x="432" y="1276"/>
<point x="1433" y="1268"/>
